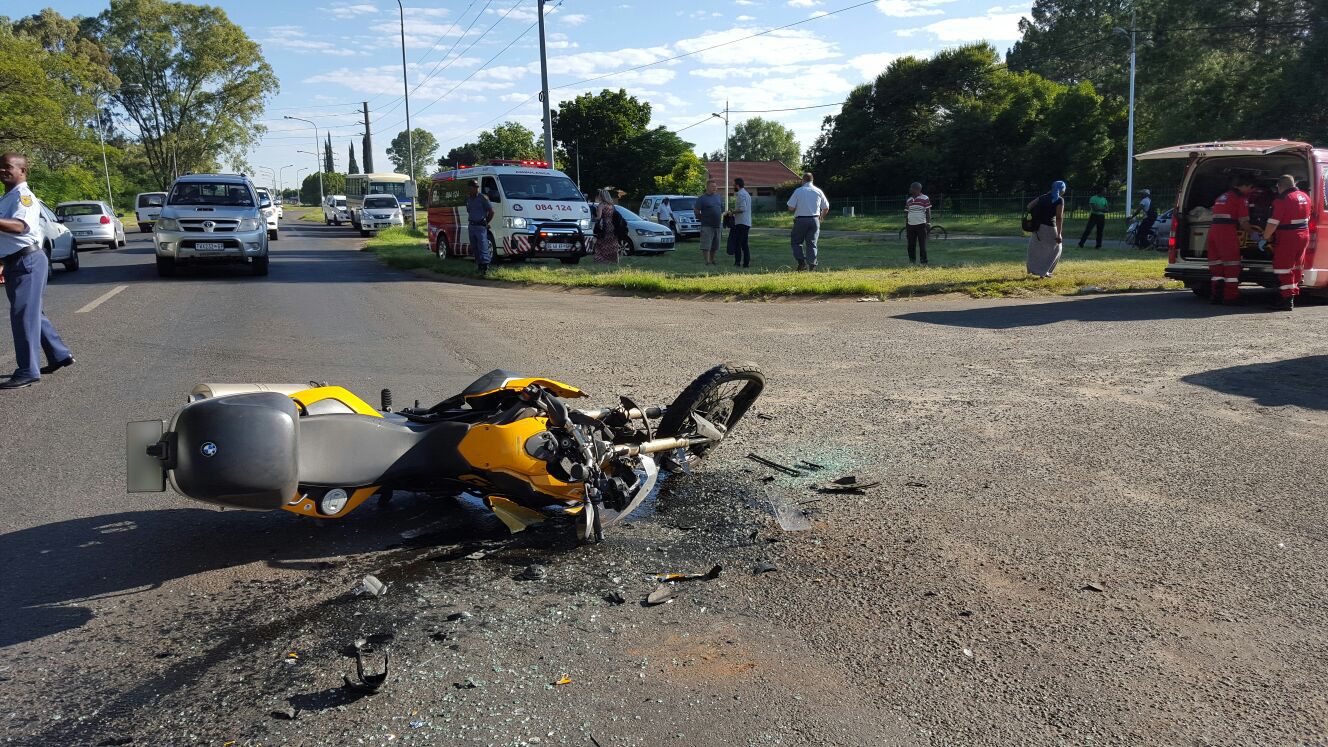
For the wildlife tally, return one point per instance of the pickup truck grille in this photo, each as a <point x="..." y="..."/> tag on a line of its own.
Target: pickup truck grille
<point x="221" y="225"/>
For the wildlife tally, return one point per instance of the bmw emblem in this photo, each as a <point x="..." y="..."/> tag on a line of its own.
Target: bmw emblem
<point x="208" y="449"/>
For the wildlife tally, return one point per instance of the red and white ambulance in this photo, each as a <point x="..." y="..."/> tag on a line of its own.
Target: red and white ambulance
<point x="537" y="212"/>
<point x="1208" y="171"/>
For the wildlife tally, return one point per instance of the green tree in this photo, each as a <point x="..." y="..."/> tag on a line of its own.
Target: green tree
<point x="688" y="177"/>
<point x="651" y="153"/>
<point x="601" y="126"/>
<point x="353" y="167"/>
<point x="424" y="145"/>
<point x="193" y="82"/>
<point x="333" y="184"/>
<point x="758" y="139"/>
<point x="507" y="140"/>
<point x="328" y="164"/>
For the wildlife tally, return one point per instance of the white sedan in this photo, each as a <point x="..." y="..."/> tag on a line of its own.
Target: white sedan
<point x="92" y="222"/>
<point x="57" y="242"/>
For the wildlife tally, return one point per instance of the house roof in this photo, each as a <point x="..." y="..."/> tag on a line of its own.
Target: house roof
<point x="754" y="173"/>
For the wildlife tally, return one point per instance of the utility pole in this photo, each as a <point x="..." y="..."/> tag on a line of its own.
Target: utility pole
<point x="366" y="150"/>
<point x="1129" y="145"/>
<point x="578" y="164"/>
<point x="726" y="154"/>
<point x="544" y="90"/>
<point x="410" y="145"/>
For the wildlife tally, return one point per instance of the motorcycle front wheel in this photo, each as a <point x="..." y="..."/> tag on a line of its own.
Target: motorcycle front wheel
<point x="721" y="395"/>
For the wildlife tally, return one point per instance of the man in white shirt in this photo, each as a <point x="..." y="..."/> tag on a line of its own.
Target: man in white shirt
<point x="664" y="213"/>
<point x="809" y="207"/>
<point x="742" y="225"/>
<point x="26" y="267"/>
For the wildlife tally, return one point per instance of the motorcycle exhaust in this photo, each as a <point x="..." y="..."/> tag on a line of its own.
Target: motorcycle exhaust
<point x="658" y="445"/>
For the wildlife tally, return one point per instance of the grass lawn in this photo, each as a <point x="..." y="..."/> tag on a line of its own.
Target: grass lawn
<point x="849" y="267"/>
<point x="973" y="225"/>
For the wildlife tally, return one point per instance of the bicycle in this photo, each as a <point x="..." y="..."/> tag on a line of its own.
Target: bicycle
<point x="937" y="231"/>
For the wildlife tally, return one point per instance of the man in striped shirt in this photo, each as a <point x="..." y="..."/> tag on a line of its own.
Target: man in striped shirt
<point x="917" y="218"/>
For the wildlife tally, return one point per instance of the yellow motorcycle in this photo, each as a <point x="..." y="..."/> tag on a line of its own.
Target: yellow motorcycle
<point x="321" y="451"/>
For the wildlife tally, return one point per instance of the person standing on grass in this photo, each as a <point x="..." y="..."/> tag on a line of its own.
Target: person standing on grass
<point x="709" y="210"/>
<point x="742" y="224"/>
<point x="664" y="216"/>
<point x="917" y="222"/>
<point x="1097" y="216"/>
<point x="809" y="207"/>
<point x="606" y="238"/>
<point x="1044" y="246"/>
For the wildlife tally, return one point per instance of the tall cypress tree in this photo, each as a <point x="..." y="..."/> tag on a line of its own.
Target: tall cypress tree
<point x="353" y="168"/>
<point x="328" y="166"/>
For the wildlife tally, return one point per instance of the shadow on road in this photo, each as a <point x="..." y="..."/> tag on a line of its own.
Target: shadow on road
<point x="1298" y="382"/>
<point x="1131" y="307"/>
<point x="50" y="569"/>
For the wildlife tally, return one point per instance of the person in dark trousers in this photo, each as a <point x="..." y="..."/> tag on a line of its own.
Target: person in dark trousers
<point x="742" y="224"/>
<point x="917" y="218"/>
<point x="1148" y="217"/>
<point x="1097" y="216"/>
<point x="479" y="213"/>
<point x="26" y="267"/>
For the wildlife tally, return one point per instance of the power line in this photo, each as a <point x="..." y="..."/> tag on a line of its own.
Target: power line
<point x="694" y="124"/>
<point x="788" y="109"/>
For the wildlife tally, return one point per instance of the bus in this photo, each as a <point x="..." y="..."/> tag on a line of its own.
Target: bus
<point x="359" y="185"/>
<point x="537" y="212"/>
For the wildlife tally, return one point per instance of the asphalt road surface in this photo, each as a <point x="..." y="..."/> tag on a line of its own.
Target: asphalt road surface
<point x="1099" y="521"/>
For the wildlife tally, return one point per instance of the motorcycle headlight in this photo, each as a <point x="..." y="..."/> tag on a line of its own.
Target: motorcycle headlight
<point x="168" y="224"/>
<point x="516" y="222"/>
<point x="584" y="224"/>
<point x="249" y="224"/>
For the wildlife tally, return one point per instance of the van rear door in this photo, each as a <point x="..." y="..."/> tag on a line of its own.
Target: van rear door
<point x="1224" y="148"/>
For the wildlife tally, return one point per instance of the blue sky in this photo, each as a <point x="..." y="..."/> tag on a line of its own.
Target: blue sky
<point x="332" y="54"/>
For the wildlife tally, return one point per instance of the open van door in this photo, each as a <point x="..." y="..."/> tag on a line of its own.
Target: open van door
<point x="1224" y="148"/>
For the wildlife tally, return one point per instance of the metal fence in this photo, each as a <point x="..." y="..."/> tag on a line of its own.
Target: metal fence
<point x="980" y="204"/>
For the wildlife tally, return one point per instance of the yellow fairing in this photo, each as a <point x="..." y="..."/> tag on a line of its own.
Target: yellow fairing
<point x="557" y="387"/>
<point x="306" y="507"/>
<point x="340" y="394"/>
<point x="502" y="448"/>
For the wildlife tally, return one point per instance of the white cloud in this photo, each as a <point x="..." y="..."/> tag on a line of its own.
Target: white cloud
<point x="996" y="25"/>
<point x="908" y="8"/>
<point x="744" y="19"/>
<point x="803" y="3"/>
<point x="343" y="10"/>
<point x="575" y="19"/>
<point x="294" y="39"/>
<point x="817" y="14"/>
<point x="873" y="64"/>
<point x="512" y="98"/>
<point x="776" y="48"/>
<point x="745" y="2"/>
<point x="814" y="85"/>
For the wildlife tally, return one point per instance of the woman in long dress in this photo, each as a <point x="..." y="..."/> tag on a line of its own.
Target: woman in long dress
<point x="1044" y="246"/>
<point x="606" y="246"/>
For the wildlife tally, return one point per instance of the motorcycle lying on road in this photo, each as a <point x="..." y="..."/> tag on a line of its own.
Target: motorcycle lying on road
<point x="321" y="451"/>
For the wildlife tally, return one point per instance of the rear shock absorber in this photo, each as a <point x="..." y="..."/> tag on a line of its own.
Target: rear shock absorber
<point x="385" y="400"/>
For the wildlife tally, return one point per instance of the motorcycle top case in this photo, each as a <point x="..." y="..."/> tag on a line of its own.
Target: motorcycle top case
<point x="240" y="450"/>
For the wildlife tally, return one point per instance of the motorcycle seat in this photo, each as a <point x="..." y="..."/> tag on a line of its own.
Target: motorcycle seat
<point x="350" y="451"/>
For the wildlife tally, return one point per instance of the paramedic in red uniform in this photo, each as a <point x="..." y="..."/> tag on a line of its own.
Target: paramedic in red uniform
<point x="1230" y="212"/>
<point x="1289" y="229"/>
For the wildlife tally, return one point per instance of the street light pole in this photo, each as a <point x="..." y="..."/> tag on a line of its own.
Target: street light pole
<point x="1129" y="144"/>
<point x="280" y="185"/>
<point x="300" y="189"/>
<point x="725" y="117"/>
<point x="315" y="154"/>
<point x="410" y="145"/>
<point x="110" y="197"/>
<point x="544" y="90"/>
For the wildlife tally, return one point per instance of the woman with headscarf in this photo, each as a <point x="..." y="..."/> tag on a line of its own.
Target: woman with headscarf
<point x="606" y="244"/>
<point x="1044" y="246"/>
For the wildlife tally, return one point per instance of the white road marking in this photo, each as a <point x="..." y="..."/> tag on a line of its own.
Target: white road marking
<point x="103" y="298"/>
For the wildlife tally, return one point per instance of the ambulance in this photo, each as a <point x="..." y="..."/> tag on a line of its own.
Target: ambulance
<point x="1209" y="168"/>
<point x="538" y="212"/>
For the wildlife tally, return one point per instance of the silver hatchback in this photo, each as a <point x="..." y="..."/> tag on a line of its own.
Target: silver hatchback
<point x="212" y="219"/>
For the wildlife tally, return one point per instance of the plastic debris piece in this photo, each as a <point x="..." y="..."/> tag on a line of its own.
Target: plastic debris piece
<point x="417" y="724"/>
<point x="764" y="566"/>
<point x="478" y="555"/>
<point x="368" y="684"/>
<point x="786" y="512"/>
<point x="533" y="572"/>
<point x="660" y="595"/>
<point x="846" y="480"/>
<point x="289" y="713"/>
<point x="371" y="586"/>
<point x="763" y="416"/>
<point x="916" y="484"/>
<point x="709" y="575"/>
<point x="470" y="683"/>
<point x="462" y="615"/>
<point x="1090" y="586"/>
<point x="615" y="597"/>
<point x="564" y="680"/>
<point x="968" y="652"/>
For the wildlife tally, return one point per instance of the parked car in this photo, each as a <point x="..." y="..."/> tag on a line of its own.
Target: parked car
<point x="643" y="236"/>
<point x="1209" y="168"/>
<point x="378" y="212"/>
<point x="92" y="222"/>
<point x="270" y="215"/>
<point x="211" y="219"/>
<point x="147" y="206"/>
<point x="57" y="242"/>
<point x="684" y="223"/>
<point x="335" y="210"/>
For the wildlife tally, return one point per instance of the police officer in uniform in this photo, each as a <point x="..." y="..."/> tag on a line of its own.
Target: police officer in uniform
<point x="479" y="212"/>
<point x="26" y="268"/>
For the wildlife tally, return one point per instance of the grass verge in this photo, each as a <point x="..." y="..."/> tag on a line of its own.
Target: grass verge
<point x="955" y="223"/>
<point x="850" y="267"/>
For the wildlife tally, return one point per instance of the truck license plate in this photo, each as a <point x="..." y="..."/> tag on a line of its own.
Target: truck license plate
<point x="556" y="246"/>
<point x="209" y="246"/>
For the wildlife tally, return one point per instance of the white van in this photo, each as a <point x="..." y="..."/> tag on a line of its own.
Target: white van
<point x="537" y="212"/>
<point x="684" y="223"/>
<point x="147" y="208"/>
<point x="335" y="211"/>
